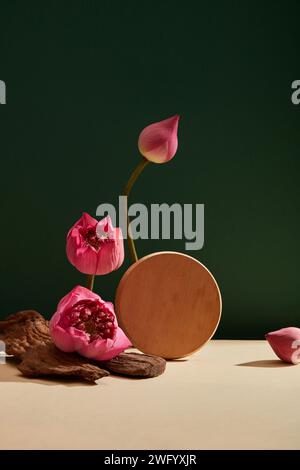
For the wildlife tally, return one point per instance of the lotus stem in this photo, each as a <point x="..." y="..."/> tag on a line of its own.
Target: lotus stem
<point x="127" y="190"/>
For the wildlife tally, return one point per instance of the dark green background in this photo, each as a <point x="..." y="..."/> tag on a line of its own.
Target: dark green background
<point x="84" y="77"/>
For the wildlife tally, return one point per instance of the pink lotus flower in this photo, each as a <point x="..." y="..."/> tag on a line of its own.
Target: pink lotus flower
<point x="95" y="247"/>
<point x="286" y="344"/>
<point x="88" y="325"/>
<point x="158" y="142"/>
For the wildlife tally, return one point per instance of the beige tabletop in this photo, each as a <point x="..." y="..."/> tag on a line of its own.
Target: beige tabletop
<point x="229" y="395"/>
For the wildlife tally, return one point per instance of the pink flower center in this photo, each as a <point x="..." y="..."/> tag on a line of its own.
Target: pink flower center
<point x="92" y="318"/>
<point x="91" y="238"/>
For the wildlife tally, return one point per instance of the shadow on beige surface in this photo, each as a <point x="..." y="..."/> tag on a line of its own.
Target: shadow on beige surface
<point x="268" y="363"/>
<point x="10" y="373"/>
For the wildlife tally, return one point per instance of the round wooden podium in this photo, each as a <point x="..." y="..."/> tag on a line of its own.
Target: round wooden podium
<point x="168" y="304"/>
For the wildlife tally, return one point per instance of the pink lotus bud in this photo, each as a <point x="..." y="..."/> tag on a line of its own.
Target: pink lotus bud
<point x="286" y="344"/>
<point x="95" y="247"/>
<point x="88" y="325"/>
<point x="158" y="142"/>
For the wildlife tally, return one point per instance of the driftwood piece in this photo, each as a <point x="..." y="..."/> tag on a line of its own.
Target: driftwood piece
<point x="136" y="365"/>
<point x="26" y="336"/>
<point x="46" y="359"/>
<point x="23" y="331"/>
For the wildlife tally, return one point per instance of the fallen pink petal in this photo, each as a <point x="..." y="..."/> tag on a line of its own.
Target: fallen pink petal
<point x="286" y="344"/>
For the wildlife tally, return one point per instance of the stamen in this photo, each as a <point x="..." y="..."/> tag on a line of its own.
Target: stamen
<point x="93" y="319"/>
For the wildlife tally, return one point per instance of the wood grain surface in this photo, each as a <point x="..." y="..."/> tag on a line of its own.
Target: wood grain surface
<point x="168" y="304"/>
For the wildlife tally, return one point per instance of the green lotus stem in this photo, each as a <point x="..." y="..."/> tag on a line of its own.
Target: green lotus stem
<point x="127" y="190"/>
<point x="90" y="281"/>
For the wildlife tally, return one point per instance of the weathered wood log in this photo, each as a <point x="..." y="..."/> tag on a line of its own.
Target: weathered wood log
<point x="136" y="365"/>
<point x="27" y="337"/>
<point x="23" y="331"/>
<point x="46" y="359"/>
